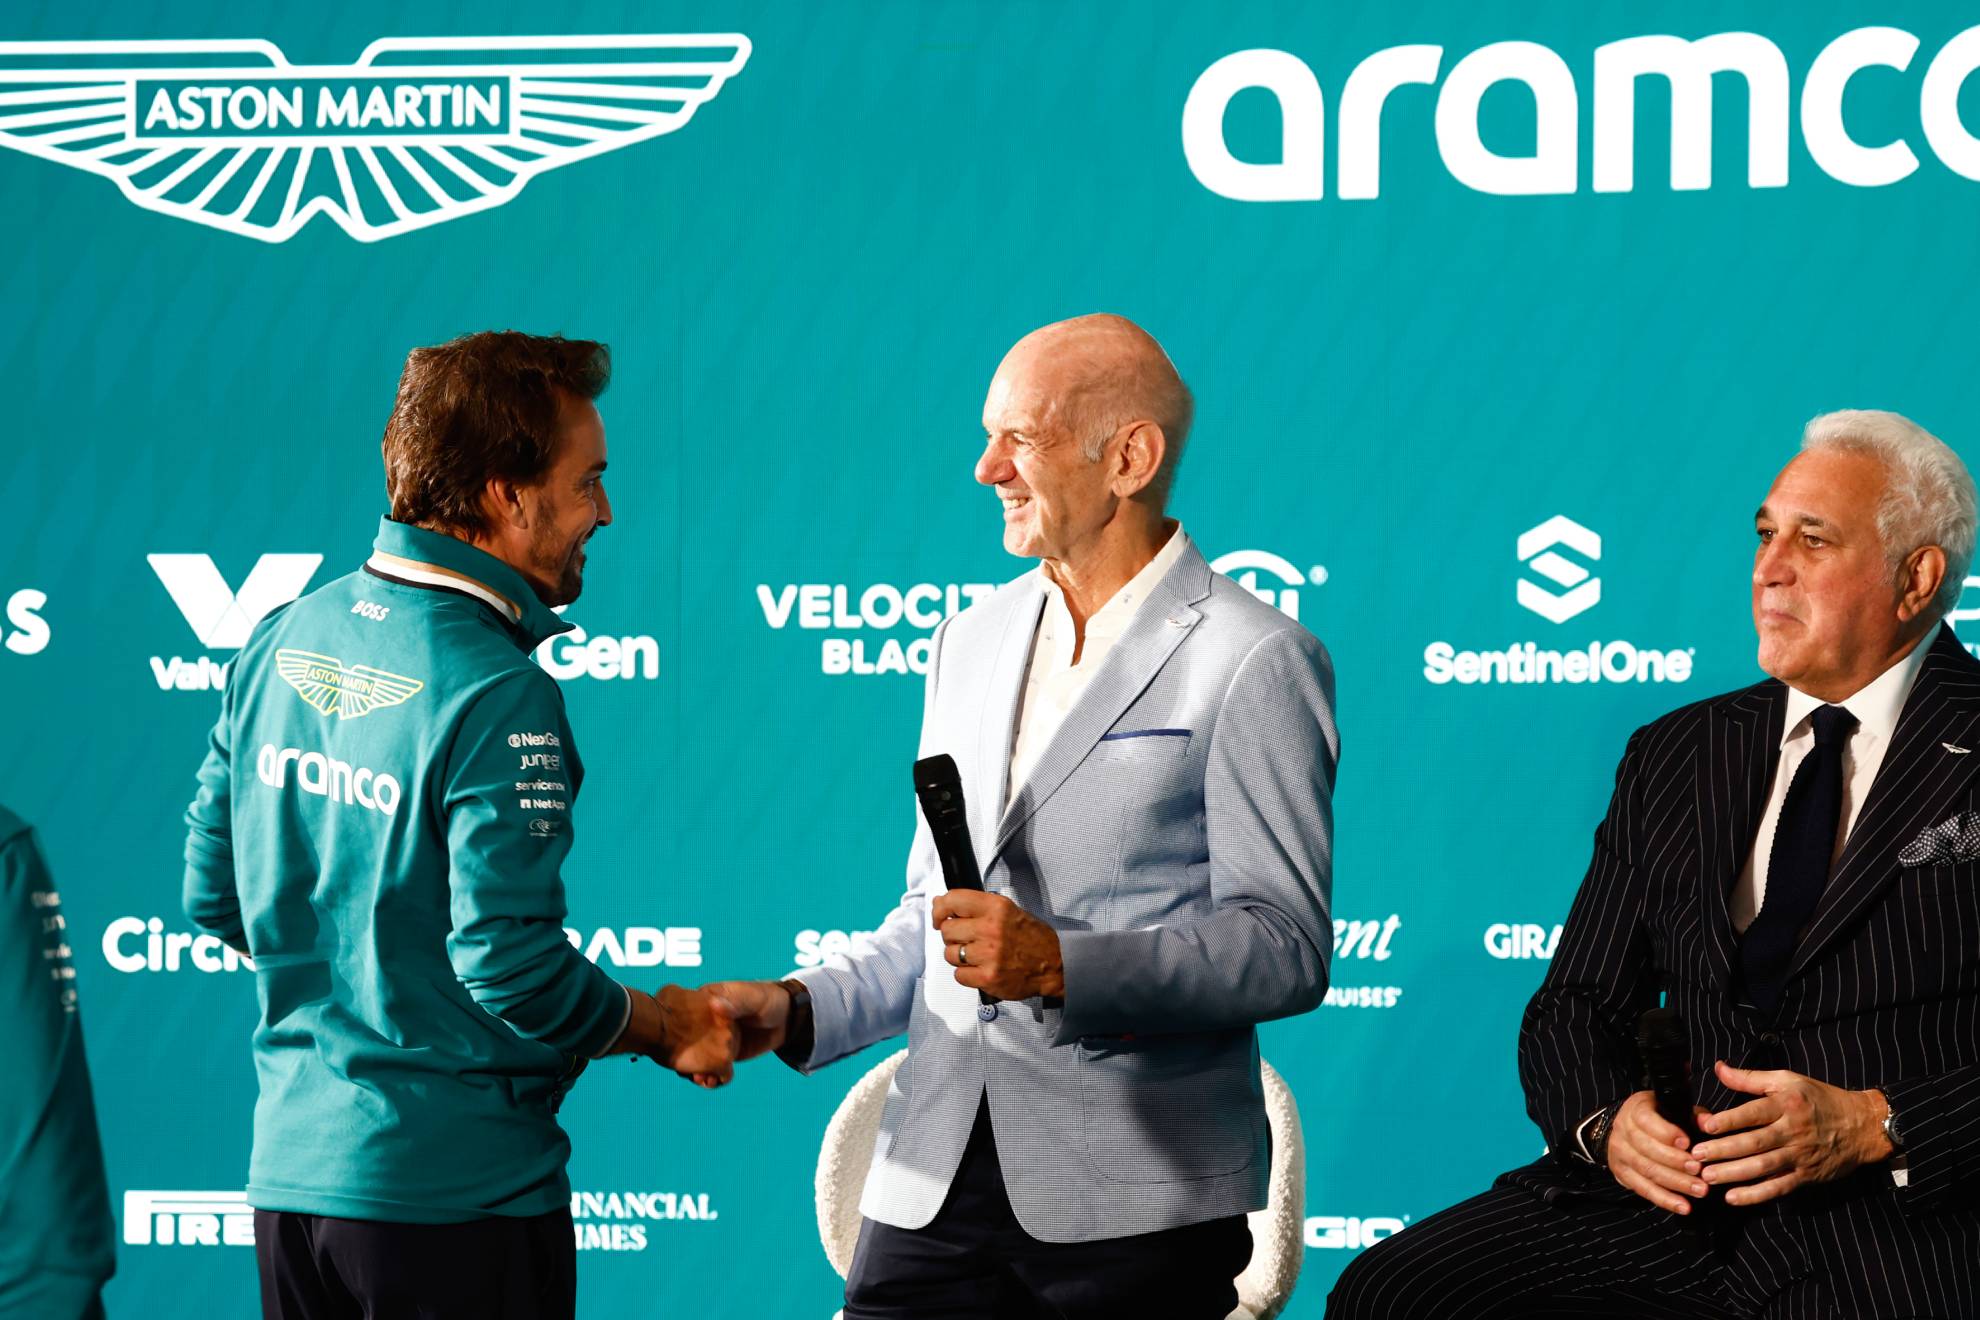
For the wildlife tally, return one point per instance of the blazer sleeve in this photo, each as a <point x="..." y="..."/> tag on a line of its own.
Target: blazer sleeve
<point x="1941" y="1140"/>
<point x="1268" y="798"/>
<point x="1577" y="1050"/>
<point x="866" y="994"/>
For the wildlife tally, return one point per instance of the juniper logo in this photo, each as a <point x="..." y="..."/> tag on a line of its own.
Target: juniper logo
<point x="323" y="682"/>
<point x="1578" y="590"/>
<point x="1281" y="589"/>
<point x="419" y="130"/>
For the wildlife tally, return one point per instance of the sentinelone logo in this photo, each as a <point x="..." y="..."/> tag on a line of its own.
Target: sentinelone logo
<point x="1574" y="591"/>
<point x="1554" y="165"/>
<point x="417" y="131"/>
<point x="602" y="1221"/>
<point x="222" y="618"/>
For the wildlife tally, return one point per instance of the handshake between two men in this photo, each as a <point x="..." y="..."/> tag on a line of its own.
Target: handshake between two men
<point x="995" y="946"/>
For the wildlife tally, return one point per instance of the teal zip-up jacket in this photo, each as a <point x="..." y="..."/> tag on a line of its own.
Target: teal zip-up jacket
<point x="55" y="1233"/>
<point x="381" y="821"/>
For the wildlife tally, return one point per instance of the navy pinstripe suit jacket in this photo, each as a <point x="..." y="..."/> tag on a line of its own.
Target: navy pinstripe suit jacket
<point x="1884" y="990"/>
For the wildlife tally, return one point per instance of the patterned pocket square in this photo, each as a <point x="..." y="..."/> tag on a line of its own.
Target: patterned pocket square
<point x="1954" y="840"/>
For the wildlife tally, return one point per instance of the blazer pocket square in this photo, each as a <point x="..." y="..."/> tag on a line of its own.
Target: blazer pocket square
<point x="1948" y="842"/>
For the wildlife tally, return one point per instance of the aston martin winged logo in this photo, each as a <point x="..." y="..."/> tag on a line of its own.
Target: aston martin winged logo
<point x="420" y="130"/>
<point x="324" y="683"/>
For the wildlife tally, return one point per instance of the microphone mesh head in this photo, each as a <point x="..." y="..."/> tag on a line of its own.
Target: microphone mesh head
<point x="1660" y="1030"/>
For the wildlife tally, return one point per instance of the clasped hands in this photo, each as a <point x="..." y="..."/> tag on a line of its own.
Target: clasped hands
<point x="1796" y="1131"/>
<point x="994" y="945"/>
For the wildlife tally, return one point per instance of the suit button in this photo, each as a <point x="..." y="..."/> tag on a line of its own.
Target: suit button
<point x="987" y="1013"/>
<point x="1770" y="1038"/>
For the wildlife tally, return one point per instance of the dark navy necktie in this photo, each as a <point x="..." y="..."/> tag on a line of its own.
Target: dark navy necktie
<point x="1798" y="868"/>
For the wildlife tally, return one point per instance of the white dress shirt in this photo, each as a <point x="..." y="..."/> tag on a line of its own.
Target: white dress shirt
<point x="1053" y="683"/>
<point x="1876" y="708"/>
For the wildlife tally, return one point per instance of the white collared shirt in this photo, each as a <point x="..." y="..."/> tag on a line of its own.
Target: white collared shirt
<point x="1876" y="708"/>
<point x="1053" y="684"/>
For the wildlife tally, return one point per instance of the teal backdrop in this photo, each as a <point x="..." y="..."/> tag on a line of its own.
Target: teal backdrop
<point x="806" y="289"/>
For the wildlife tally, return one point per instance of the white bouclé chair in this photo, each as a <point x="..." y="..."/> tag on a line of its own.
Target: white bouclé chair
<point x="1277" y="1232"/>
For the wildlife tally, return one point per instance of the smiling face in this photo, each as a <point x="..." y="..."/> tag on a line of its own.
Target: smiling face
<point x="1055" y="500"/>
<point x="569" y="504"/>
<point x="1828" y="603"/>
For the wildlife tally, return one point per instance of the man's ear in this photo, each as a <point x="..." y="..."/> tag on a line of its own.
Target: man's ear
<point x="506" y="505"/>
<point x="1924" y="571"/>
<point x="1140" y="458"/>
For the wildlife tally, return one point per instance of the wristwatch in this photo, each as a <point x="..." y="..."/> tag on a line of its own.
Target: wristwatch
<point x="1891" y="1131"/>
<point x="798" y="1035"/>
<point x="1593" y="1135"/>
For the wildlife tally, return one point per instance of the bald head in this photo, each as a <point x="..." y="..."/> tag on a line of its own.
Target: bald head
<point x="1097" y="374"/>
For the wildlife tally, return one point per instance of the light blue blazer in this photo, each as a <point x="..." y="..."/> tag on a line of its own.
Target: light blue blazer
<point x="1178" y="833"/>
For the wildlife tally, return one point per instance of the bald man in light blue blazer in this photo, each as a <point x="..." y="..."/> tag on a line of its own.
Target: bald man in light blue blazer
<point x="1148" y="756"/>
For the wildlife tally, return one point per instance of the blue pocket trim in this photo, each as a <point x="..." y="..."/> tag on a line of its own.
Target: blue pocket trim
<point x="1145" y="733"/>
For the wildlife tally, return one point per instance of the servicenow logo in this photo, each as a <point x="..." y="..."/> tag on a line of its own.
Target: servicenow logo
<point x="1570" y="590"/>
<point x="1553" y="166"/>
<point x="327" y="777"/>
<point x="1281" y="583"/>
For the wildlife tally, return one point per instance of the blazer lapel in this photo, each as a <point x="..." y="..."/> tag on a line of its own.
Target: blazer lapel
<point x="1915" y="787"/>
<point x="997" y="726"/>
<point x="1158" y="628"/>
<point x="1742" y="743"/>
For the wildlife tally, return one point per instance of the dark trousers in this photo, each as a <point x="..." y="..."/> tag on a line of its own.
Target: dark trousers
<point x="975" y="1262"/>
<point x="317" y="1268"/>
<point x="1508" y="1255"/>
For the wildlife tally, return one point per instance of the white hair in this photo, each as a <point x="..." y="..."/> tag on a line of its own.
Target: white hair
<point x="1928" y="493"/>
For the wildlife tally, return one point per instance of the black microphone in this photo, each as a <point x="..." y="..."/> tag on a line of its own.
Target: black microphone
<point x="1665" y="1050"/>
<point x="938" y="786"/>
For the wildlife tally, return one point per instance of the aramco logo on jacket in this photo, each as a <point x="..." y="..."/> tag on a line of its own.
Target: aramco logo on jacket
<point x="419" y="130"/>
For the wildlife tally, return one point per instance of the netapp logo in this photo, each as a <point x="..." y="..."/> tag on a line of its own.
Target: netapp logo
<point x="134" y="944"/>
<point x="1505" y="940"/>
<point x="30" y="630"/>
<point x="641" y="946"/>
<point x="1687" y="67"/>
<point x="1536" y="550"/>
<point x="418" y="131"/>
<point x="1529" y="662"/>
<point x="881" y="607"/>
<point x="1347" y="1233"/>
<point x="1244" y="566"/>
<point x="220" y="617"/>
<point x="616" y="1221"/>
<point x="188" y="1219"/>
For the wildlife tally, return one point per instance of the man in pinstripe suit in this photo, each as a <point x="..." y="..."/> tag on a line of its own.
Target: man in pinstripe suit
<point x="1796" y="866"/>
<point x="1148" y="755"/>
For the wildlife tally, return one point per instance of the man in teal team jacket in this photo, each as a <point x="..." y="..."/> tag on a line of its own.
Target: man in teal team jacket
<point x="55" y="1249"/>
<point x="380" y="824"/>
